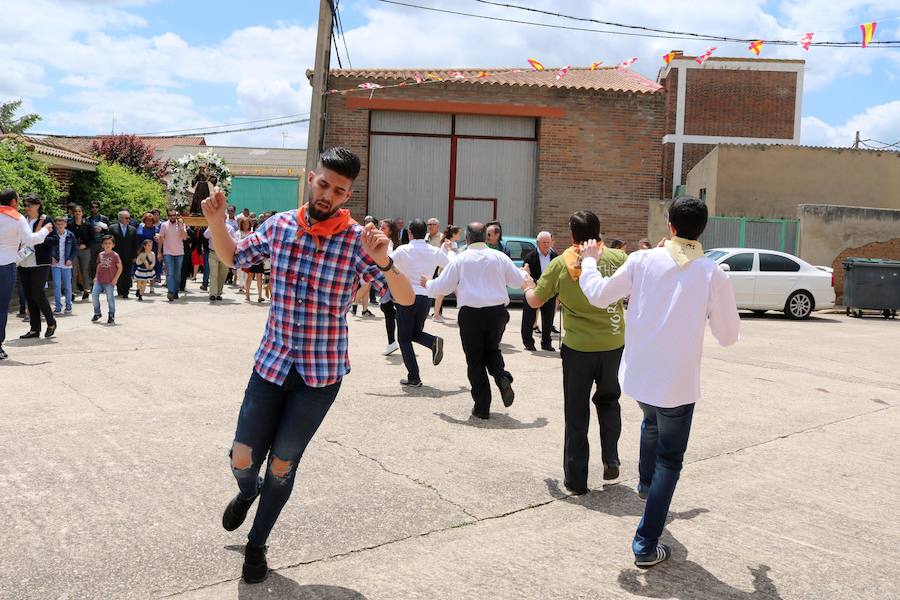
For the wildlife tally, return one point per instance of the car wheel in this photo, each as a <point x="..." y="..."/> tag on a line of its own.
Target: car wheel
<point x="848" y="311"/>
<point x="799" y="305"/>
<point x="759" y="313"/>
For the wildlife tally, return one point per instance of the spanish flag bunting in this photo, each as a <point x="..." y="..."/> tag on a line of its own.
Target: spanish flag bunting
<point x="482" y="74"/>
<point x="418" y="77"/>
<point x="562" y="72"/>
<point x="668" y="57"/>
<point x="868" y="32"/>
<point x="595" y="65"/>
<point x="537" y="66"/>
<point x="434" y="77"/>
<point x="703" y="57"/>
<point x="457" y="75"/>
<point x="805" y="41"/>
<point x="626" y="63"/>
<point x="756" y="47"/>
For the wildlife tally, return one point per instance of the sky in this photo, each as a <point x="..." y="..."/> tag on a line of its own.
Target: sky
<point x="146" y="66"/>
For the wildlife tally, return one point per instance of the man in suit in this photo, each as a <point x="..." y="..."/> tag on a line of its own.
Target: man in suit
<point x="537" y="262"/>
<point x="125" y="238"/>
<point x="402" y="231"/>
<point x="100" y="223"/>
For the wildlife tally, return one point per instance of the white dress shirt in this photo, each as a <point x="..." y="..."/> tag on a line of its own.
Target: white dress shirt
<point x="419" y="259"/>
<point x="228" y="228"/>
<point x="479" y="276"/>
<point x="665" y="321"/>
<point x="14" y="232"/>
<point x="544" y="260"/>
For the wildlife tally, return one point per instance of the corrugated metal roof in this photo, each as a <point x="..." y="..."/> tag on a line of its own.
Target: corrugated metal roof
<point x="245" y="157"/>
<point x="51" y="148"/>
<point x="601" y="79"/>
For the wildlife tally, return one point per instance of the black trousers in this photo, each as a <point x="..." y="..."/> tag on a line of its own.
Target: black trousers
<point x="581" y="370"/>
<point x="123" y="286"/>
<point x="481" y="330"/>
<point x="32" y="280"/>
<point x="548" y="310"/>
<point x="390" y="319"/>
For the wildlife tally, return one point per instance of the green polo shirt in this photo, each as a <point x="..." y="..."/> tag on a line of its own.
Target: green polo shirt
<point x="588" y="328"/>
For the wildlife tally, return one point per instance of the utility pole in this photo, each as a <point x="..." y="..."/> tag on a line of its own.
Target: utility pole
<point x="856" y="142"/>
<point x="319" y="86"/>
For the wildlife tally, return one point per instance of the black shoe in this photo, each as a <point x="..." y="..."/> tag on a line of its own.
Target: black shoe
<point x="204" y="287"/>
<point x="111" y="320"/>
<point x="219" y="298"/>
<point x="575" y="490"/>
<point x="212" y="298"/>
<point x="548" y="348"/>
<point x="530" y="347"/>
<point x="170" y="296"/>
<point x="646" y="561"/>
<point x="95" y="318"/>
<point x="236" y="512"/>
<point x="506" y="391"/>
<point x="85" y="295"/>
<point x="30" y="335"/>
<point x="140" y="297"/>
<point x="255" y="567"/>
<point x="353" y="310"/>
<point x="51" y="329"/>
<point x="437" y="350"/>
<point x="553" y="329"/>
<point x="642" y="493"/>
<point x="411" y="383"/>
<point x="481" y="415"/>
<point x="368" y="313"/>
<point x="176" y="295"/>
<point x="610" y="472"/>
<point x="3" y="354"/>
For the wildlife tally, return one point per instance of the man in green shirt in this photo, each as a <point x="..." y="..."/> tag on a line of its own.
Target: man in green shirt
<point x="591" y="351"/>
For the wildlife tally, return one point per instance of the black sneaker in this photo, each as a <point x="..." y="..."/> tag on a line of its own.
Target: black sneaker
<point x="610" y="472"/>
<point x="3" y="354"/>
<point x="256" y="569"/>
<point x="236" y="512"/>
<point x="506" y="391"/>
<point x="204" y="287"/>
<point x="481" y="415"/>
<point x="170" y="296"/>
<point x="530" y="347"/>
<point x="575" y="490"/>
<point x="85" y="295"/>
<point x="353" y="310"/>
<point x="95" y="318"/>
<point x="51" y="329"/>
<point x="646" y="561"/>
<point x="411" y="383"/>
<point x="437" y="350"/>
<point x="212" y="298"/>
<point x="548" y="348"/>
<point x="367" y="313"/>
<point x="111" y="320"/>
<point x="219" y="298"/>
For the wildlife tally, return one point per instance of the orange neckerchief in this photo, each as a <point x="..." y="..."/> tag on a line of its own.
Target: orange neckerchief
<point x="336" y="223"/>
<point x="10" y="212"/>
<point x="572" y="259"/>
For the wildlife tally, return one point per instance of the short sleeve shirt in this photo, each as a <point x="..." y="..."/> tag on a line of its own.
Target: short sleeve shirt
<point x="107" y="265"/>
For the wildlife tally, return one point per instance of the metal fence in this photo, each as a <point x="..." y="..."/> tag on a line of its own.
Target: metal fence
<point x="744" y="232"/>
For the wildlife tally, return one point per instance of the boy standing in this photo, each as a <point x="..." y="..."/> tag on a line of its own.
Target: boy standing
<point x="674" y="291"/>
<point x="109" y="268"/>
<point x="63" y="255"/>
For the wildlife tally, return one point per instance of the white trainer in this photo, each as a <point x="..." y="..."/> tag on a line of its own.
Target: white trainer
<point x="391" y="348"/>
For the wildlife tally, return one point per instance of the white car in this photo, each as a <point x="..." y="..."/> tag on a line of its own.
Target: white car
<point x="769" y="280"/>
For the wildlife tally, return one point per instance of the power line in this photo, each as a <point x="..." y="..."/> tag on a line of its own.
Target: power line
<point x="340" y="24"/>
<point x="227" y="124"/>
<point x="334" y="27"/>
<point x="673" y="36"/>
<point x="192" y="133"/>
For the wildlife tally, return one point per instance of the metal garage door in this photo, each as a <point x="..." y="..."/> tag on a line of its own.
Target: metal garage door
<point x="262" y="194"/>
<point x="457" y="168"/>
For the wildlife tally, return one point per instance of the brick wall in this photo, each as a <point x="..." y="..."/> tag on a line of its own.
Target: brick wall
<point x="64" y="177"/>
<point x="603" y="155"/>
<point x="889" y="249"/>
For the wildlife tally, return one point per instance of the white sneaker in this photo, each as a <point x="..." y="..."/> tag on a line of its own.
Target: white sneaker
<point x="391" y="348"/>
<point x="437" y="319"/>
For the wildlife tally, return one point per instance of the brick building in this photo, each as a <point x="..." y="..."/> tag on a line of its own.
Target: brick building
<point x="529" y="149"/>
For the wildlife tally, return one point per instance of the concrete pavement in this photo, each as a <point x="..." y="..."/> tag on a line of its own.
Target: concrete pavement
<point x="114" y="471"/>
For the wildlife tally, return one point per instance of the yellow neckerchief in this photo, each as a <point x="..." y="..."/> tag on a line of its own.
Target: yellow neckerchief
<point x="684" y="251"/>
<point x="477" y="245"/>
<point x="572" y="259"/>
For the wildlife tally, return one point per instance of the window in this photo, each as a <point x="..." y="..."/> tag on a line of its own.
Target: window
<point x="703" y="195"/>
<point x="518" y="250"/>
<point x="715" y="254"/>
<point x="775" y="262"/>
<point x="740" y="262"/>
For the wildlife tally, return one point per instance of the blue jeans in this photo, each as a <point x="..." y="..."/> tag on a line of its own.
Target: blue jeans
<point x="110" y="290"/>
<point x="664" y="439"/>
<point x="410" y="323"/>
<point x="277" y="421"/>
<point x="173" y="271"/>
<point x="7" y="282"/>
<point x="62" y="282"/>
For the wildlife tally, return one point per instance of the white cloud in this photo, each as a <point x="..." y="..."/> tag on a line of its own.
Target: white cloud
<point x="881" y="122"/>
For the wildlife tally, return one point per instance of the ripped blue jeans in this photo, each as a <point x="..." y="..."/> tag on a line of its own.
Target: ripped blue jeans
<point x="276" y="423"/>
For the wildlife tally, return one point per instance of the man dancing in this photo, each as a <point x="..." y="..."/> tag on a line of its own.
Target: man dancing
<point x="319" y="255"/>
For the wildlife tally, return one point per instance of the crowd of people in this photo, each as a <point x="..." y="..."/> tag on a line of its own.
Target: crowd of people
<point x="321" y="264"/>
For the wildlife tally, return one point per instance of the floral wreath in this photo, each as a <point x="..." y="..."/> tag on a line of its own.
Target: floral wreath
<point x="183" y="171"/>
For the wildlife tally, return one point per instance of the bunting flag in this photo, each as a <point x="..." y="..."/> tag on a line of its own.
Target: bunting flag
<point x="703" y="57"/>
<point x="418" y="77"/>
<point x="595" y="65"/>
<point x="457" y="75"/>
<point x="370" y="86"/>
<point x="756" y="47"/>
<point x="482" y="74"/>
<point x="669" y="57"/>
<point x="537" y="66"/>
<point x="868" y="32"/>
<point x="434" y="77"/>
<point x="626" y="63"/>
<point x="805" y="41"/>
<point x="562" y="72"/>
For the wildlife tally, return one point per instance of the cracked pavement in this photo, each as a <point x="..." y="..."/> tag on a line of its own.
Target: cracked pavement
<point x="115" y="470"/>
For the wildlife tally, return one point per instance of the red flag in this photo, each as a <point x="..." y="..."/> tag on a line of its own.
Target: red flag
<point x="537" y="66"/>
<point x="483" y="74"/>
<point x="756" y="47"/>
<point x="595" y="65"/>
<point x="669" y="57"/>
<point x="703" y="57"/>
<point x="868" y="32"/>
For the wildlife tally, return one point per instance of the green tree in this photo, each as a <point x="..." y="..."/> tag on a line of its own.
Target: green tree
<point x="10" y="124"/>
<point x="18" y="170"/>
<point x="117" y="187"/>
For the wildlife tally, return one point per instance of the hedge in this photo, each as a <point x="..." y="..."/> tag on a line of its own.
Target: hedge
<point x="117" y="187"/>
<point x="18" y="170"/>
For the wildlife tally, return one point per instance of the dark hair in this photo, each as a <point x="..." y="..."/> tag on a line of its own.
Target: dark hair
<point x="497" y="225"/>
<point x="33" y="199"/>
<point x="644" y="242"/>
<point x="93" y="202"/>
<point x="584" y="226"/>
<point x="393" y="231"/>
<point x="450" y="231"/>
<point x="688" y="215"/>
<point x="7" y="196"/>
<point x="341" y="161"/>
<point x="616" y="244"/>
<point x="155" y="211"/>
<point x="108" y="237"/>
<point x="475" y="232"/>
<point x="417" y="229"/>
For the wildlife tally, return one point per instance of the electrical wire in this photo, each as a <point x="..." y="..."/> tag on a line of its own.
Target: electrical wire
<point x="173" y="131"/>
<point x="340" y="23"/>
<point x="192" y="133"/>
<point x="334" y="28"/>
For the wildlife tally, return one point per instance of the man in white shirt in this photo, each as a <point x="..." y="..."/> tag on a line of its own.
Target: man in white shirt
<point x="479" y="276"/>
<point x="434" y="232"/>
<point x="674" y="291"/>
<point x="14" y="231"/>
<point x="416" y="260"/>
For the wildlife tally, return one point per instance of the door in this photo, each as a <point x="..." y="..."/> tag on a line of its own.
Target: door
<point x="263" y="194"/>
<point x="777" y="279"/>
<point x="743" y="278"/>
<point x="470" y="210"/>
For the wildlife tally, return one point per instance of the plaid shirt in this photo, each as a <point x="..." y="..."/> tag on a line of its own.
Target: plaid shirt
<point x="311" y="294"/>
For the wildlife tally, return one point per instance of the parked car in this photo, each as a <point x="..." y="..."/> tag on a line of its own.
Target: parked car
<point x="768" y="280"/>
<point x="519" y="248"/>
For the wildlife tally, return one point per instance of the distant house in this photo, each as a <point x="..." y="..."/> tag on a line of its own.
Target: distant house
<point x="83" y="143"/>
<point x="62" y="161"/>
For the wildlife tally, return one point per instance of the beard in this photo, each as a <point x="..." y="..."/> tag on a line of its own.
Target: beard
<point x="315" y="213"/>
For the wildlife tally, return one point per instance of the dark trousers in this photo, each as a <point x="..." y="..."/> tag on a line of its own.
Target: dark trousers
<point x="481" y="330"/>
<point x="581" y="370"/>
<point x="33" y="280"/>
<point x="123" y="286"/>
<point x="7" y="283"/>
<point x="410" y="324"/>
<point x="548" y="310"/>
<point x="277" y="421"/>
<point x="390" y="319"/>
<point x="664" y="440"/>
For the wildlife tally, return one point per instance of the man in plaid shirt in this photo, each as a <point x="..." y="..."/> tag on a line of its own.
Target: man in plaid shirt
<point x="319" y="258"/>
